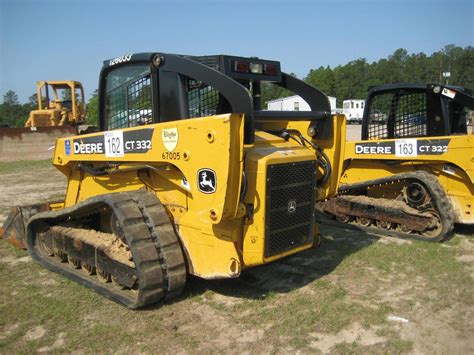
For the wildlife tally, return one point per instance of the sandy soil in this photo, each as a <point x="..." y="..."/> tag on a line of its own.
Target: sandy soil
<point x="30" y="186"/>
<point x="109" y="243"/>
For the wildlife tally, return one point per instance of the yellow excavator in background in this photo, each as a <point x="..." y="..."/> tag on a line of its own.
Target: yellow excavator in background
<point x="66" y="107"/>
<point x="61" y="112"/>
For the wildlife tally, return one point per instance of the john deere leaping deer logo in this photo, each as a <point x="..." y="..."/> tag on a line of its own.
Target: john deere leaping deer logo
<point x="207" y="181"/>
<point x="291" y="206"/>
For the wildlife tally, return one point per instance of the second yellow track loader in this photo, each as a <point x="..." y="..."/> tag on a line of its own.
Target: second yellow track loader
<point x="412" y="174"/>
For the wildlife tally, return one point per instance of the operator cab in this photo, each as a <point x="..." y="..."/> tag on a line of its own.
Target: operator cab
<point x="415" y="110"/>
<point x="147" y="88"/>
<point x="65" y="94"/>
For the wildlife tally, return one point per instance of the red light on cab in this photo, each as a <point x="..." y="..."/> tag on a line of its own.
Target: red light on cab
<point x="271" y="69"/>
<point x="241" y="67"/>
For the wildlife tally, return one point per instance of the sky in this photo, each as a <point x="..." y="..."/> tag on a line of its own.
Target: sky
<point x="69" y="39"/>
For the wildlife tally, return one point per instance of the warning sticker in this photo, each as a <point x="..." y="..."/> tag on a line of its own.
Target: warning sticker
<point x="67" y="146"/>
<point x="449" y="93"/>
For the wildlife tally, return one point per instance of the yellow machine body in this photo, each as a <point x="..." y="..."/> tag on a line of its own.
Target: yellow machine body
<point x="449" y="158"/>
<point x="186" y="175"/>
<point x="217" y="238"/>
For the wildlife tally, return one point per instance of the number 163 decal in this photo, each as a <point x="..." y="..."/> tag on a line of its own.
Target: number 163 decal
<point x="406" y="148"/>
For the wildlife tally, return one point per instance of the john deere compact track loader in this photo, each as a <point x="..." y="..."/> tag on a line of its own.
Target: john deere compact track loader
<point x="412" y="174"/>
<point x="186" y="175"/>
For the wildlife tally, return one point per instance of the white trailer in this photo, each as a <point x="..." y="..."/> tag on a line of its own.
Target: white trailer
<point x="295" y="103"/>
<point x="353" y="110"/>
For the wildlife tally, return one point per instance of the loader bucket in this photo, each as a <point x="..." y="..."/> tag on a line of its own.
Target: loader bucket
<point x="14" y="228"/>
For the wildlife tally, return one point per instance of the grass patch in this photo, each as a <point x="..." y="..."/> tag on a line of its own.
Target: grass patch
<point x="22" y="165"/>
<point x="433" y="263"/>
<point x="277" y="308"/>
<point x="333" y="305"/>
<point x="290" y="318"/>
<point x="394" y="345"/>
<point x="31" y="297"/>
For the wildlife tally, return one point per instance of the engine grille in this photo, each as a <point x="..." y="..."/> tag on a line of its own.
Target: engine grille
<point x="290" y="206"/>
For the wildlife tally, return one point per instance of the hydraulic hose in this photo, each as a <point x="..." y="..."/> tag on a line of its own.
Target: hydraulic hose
<point x="322" y="157"/>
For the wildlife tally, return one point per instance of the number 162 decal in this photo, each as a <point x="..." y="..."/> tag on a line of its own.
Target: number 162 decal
<point x="114" y="144"/>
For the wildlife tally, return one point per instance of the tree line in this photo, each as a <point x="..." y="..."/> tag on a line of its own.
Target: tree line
<point x="352" y="80"/>
<point x="349" y="81"/>
<point x="12" y="112"/>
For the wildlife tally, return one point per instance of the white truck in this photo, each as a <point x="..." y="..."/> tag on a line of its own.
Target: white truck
<point x="353" y="110"/>
<point x="295" y="103"/>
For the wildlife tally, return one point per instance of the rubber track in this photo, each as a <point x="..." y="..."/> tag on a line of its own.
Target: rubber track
<point x="145" y="226"/>
<point x="438" y="197"/>
<point x="166" y="243"/>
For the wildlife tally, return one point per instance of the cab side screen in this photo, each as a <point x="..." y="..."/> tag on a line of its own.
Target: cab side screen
<point x="128" y="101"/>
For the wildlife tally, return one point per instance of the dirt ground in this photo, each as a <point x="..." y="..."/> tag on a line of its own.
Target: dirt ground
<point x="356" y="293"/>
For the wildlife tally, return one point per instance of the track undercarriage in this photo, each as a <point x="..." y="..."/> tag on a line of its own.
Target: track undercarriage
<point x="409" y="205"/>
<point x="122" y="245"/>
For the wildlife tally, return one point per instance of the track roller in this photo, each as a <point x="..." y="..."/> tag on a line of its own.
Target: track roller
<point x="420" y="211"/>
